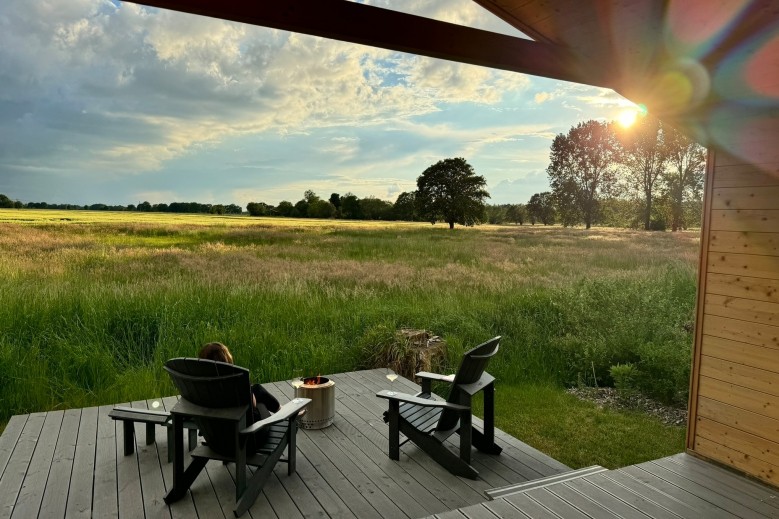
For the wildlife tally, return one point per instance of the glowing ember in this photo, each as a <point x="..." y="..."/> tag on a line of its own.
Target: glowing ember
<point x="314" y="381"/>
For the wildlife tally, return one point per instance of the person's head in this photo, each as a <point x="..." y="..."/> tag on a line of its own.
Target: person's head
<point x="216" y="351"/>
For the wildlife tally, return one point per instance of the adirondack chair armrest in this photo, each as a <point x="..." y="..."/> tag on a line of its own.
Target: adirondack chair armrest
<point x="287" y="411"/>
<point x="424" y="402"/>
<point x="428" y="378"/>
<point x="135" y="411"/>
<point x="485" y="380"/>
<point x="435" y="376"/>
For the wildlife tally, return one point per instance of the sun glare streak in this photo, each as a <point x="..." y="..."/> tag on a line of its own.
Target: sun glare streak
<point x="628" y="117"/>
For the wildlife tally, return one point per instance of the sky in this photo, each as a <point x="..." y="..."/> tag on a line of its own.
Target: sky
<point x="111" y="102"/>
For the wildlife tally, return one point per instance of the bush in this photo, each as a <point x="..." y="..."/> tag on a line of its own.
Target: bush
<point x="664" y="372"/>
<point x="406" y="352"/>
<point x="624" y="376"/>
<point x="625" y="322"/>
<point x="657" y="224"/>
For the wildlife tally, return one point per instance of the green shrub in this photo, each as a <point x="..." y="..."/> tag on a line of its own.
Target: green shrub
<point x="624" y="376"/>
<point x="638" y="322"/>
<point x="664" y="372"/>
<point x="404" y="353"/>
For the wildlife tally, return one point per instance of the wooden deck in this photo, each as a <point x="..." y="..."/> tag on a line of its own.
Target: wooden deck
<point x="675" y="487"/>
<point x="71" y="463"/>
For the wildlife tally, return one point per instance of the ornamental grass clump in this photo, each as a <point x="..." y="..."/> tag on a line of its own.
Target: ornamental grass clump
<point x="406" y="351"/>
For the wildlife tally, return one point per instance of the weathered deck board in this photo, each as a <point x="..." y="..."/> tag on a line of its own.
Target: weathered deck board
<point x="105" y="496"/>
<point x="31" y="494"/>
<point x="78" y="501"/>
<point x="730" y="504"/>
<point x="55" y="495"/>
<point x="731" y="484"/>
<point x="128" y="479"/>
<point x="374" y="408"/>
<point x="419" y="470"/>
<point x="150" y="473"/>
<point x="9" y="439"/>
<point x="678" y="486"/>
<point x="73" y="465"/>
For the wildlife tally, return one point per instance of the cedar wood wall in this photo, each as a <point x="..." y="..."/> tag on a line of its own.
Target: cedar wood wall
<point x="734" y="397"/>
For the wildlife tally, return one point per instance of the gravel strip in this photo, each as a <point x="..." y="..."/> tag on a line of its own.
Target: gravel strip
<point x="609" y="397"/>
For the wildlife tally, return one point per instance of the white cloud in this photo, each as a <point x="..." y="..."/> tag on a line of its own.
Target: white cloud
<point x="99" y="94"/>
<point x="155" y="83"/>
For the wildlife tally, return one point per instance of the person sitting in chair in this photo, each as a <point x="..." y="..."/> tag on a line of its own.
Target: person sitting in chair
<point x="263" y="403"/>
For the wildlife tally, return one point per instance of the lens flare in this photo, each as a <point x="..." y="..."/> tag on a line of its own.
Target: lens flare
<point x="628" y="117"/>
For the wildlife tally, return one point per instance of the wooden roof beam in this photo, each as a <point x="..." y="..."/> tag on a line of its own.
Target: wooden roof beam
<point x="377" y="27"/>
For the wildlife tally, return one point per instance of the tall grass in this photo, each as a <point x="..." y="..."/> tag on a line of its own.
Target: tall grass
<point x="92" y="308"/>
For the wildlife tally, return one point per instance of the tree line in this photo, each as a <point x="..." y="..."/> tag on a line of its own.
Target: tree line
<point x="649" y="175"/>
<point x="448" y="191"/>
<point x="173" y="207"/>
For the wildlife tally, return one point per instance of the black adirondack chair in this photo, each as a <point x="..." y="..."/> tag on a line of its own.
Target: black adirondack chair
<point x="217" y="396"/>
<point x="429" y="422"/>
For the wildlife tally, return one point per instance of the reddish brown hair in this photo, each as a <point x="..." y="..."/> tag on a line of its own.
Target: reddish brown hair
<point x="216" y="351"/>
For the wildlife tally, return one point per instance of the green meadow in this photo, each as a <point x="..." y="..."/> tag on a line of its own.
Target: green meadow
<point x="94" y="303"/>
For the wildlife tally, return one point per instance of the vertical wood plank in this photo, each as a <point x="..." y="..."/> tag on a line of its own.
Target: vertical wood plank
<point x="16" y="469"/>
<point x="150" y="473"/>
<point x="183" y="508"/>
<point x="105" y="498"/>
<point x="55" y="496"/>
<point x="128" y="479"/>
<point x="9" y="438"/>
<point x="82" y="478"/>
<point x="29" y="501"/>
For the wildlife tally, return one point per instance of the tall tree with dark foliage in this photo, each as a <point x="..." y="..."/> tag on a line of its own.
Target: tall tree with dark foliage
<point x="451" y="191"/>
<point x="582" y="170"/>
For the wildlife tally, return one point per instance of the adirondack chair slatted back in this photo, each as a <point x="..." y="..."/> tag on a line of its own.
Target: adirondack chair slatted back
<point x="472" y="367"/>
<point x="209" y="383"/>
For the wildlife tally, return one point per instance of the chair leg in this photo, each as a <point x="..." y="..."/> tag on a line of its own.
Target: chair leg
<point x="485" y="442"/>
<point x="185" y="480"/>
<point x="436" y="450"/>
<point x="169" y="432"/>
<point x="149" y="433"/>
<point x="240" y="473"/>
<point x="465" y="437"/>
<point x="292" y="445"/>
<point x="480" y="442"/>
<point x="182" y="479"/>
<point x="489" y="413"/>
<point x="192" y="441"/>
<point x="257" y="481"/>
<point x="129" y="436"/>
<point x="394" y="430"/>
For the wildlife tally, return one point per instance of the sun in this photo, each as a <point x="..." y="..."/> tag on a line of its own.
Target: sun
<point x="627" y="117"/>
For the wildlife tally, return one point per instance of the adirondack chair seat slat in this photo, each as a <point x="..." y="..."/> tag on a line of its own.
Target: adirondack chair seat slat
<point x="417" y="414"/>
<point x="429" y="422"/>
<point x="425" y="420"/>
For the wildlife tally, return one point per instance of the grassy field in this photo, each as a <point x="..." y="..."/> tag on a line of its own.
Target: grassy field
<point x="94" y="303"/>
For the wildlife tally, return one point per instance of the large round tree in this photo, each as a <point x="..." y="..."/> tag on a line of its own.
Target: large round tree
<point x="451" y="191"/>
